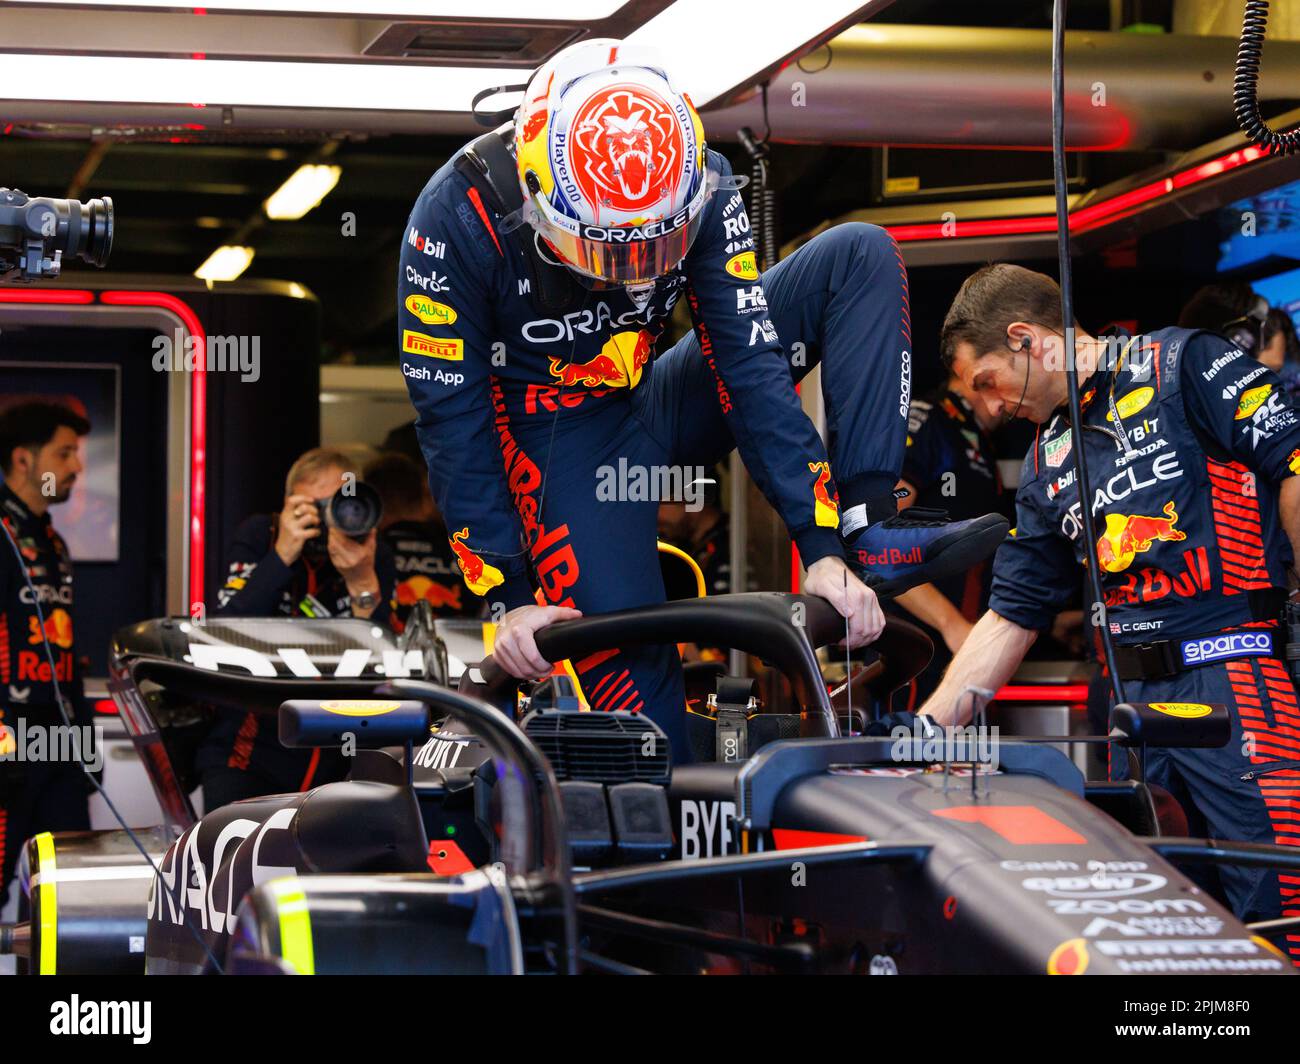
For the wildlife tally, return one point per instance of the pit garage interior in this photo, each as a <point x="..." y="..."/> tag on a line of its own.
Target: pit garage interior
<point x="931" y="118"/>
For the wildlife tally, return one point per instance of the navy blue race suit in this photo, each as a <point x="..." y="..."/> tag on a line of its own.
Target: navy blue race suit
<point x="241" y="757"/>
<point x="1194" y="559"/>
<point x="36" y="796"/>
<point x="533" y="424"/>
<point x="951" y="463"/>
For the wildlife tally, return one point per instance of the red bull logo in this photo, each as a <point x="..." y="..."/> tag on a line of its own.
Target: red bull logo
<point x="1127" y="536"/>
<point x="58" y="629"/>
<point x="826" y="508"/>
<point x="420" y="588"/>
<point x="479" y="576"/>
<point x="618" y="365"/>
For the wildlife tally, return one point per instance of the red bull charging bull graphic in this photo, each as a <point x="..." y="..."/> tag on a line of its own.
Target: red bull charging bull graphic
<point x="619" y="364"/>
<point x="479" y="576"/>
<point x="1128" y="535"/>
<point x="826" y="507"/>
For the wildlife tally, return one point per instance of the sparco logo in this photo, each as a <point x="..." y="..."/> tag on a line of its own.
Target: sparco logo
<point x="1097" y="885"/>
<point x="1233" y="645"/>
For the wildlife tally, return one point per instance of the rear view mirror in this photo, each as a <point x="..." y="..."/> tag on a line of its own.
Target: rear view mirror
<point x="371" y="722"/>
<point x="1170" y="724"/>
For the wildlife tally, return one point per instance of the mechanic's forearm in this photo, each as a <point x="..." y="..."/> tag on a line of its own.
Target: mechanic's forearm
<point x="989" y="657"/>
<point x="927" y="603"/>
<point x="1288" y="505"/>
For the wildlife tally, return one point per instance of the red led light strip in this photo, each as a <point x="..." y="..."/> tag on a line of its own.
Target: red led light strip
<point x="198" y="393"/>
<point x="1075" y="694"/>
<point x="1090" y="217"/>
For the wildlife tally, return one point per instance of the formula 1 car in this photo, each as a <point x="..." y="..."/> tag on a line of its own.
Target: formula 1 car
<point x="565" y="841"/>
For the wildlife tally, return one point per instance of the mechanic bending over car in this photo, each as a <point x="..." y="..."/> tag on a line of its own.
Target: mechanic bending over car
<point x="287" y="564"/>
<point x="532" y="290"/>
<point x="950" y="464"/>
<point x="40" y="461"/>
<point x="1193" y="451"/>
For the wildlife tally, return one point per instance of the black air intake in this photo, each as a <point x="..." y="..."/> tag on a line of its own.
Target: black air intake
<point x="600" y="747"/>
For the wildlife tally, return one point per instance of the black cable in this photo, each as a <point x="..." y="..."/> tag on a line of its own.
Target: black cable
<point x="1067" y="319"/>
<point x="1245" y="83"/>
<point x="63" y="713"/>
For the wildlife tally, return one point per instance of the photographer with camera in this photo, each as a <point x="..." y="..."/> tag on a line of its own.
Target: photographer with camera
<point x="318" y="557"/>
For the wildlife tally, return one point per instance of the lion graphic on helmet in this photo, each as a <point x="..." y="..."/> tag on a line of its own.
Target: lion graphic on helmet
<point x="626" y="149"/>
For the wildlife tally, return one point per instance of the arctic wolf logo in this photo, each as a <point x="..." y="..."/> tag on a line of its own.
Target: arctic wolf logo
<point x="627" y="149"/>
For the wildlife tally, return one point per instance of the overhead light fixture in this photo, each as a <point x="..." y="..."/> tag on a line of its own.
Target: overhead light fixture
<point x="225" y="264"/>
<point x="689" y="32"/>
<point x="526" y="10"/>
<point x="686" y="30"/>
<point x="362" y="86"/>
<point x="304" y="190"/>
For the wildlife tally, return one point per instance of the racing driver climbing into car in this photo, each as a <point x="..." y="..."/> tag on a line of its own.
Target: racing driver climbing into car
<point x="538" y="270"/>
<point x="1192" y="451"/>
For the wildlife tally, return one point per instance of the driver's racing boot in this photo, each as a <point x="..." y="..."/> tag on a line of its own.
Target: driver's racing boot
<point x="920" y="545"/>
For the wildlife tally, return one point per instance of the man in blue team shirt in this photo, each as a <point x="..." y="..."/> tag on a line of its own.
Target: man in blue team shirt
<point x="1193" y="450"/>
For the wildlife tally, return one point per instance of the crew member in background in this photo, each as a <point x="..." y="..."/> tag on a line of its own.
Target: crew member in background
<point x="417" y="538"/>
<point x="287" y="565"/>
<point x="1193" y="451"/>
<point x="40" y="461"/>
<point x="950" y="465"/>
<point x="1279" y="350"/>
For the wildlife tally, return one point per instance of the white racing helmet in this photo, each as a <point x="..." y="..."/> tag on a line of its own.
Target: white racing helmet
<point x="612" y="162"/>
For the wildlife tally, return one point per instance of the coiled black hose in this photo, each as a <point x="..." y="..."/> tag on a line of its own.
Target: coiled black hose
<point x="762" y="196"/>
<point x="1245" y="84"/>
<point x="762" y="201"/>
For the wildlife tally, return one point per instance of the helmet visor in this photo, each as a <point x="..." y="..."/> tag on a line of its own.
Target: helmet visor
<point x="624" y="254"/>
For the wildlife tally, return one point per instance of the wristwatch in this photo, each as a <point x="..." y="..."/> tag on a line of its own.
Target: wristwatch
<point x="367" y="600"/>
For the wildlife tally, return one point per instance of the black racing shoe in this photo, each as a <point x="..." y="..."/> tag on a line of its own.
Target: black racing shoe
<point x="920" y="546"/>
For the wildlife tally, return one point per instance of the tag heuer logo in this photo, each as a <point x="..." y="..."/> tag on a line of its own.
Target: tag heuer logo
<point x="1055" y="452"/>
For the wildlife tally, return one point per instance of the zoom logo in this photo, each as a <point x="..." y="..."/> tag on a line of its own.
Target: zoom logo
<point x="1232" y="645"/>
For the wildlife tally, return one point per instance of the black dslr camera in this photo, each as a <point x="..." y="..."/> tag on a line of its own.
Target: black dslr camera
<point x="36" y="233"/>
<point x="354" y="510"/>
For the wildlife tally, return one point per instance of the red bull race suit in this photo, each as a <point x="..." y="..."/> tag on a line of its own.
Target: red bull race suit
<point x="36" y="795"/>
<point x="552" y="433"/>
<point x="1188" y="442"/>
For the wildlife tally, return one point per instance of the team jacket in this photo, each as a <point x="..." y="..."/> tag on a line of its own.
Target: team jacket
<point x="25" y="678"/>
<point x="943" y="437"/>
<point x="474" y="346"/>
<point x="259" y="584"/>
<point x="1189" y="538"/>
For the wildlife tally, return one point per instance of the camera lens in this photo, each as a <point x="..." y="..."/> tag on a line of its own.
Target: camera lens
<point x="97" y="225"/>
<point x="355" y="513"/>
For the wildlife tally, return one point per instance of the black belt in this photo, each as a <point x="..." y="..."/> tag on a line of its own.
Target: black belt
<point x="1169" y="657"/>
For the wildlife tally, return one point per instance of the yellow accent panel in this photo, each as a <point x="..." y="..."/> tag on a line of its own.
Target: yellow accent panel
<point x="360" y="707"/>
<point x="1186" y="710"/>
<point x="295" y="926"/>
<point x="49" y="898"/>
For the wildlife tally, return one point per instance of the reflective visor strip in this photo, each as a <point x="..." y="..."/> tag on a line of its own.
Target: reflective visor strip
<point x="621" y="261"/>
<point x="295" y="926"/>
<point x="49" y="900"/>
